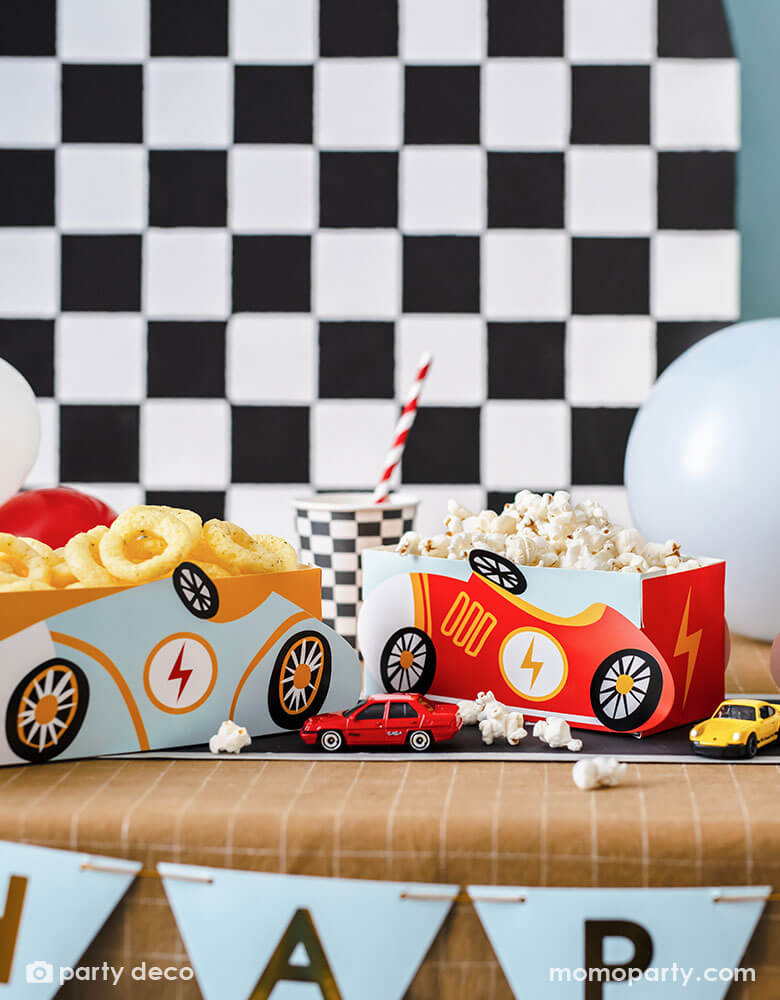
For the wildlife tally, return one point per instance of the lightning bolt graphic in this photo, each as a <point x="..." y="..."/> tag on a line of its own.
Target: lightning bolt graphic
<point x="179" y="673"/>
<point x="687" y="642"/>
<point x="530" y="664"/>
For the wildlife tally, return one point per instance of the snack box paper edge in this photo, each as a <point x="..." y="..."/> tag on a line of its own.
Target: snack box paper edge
<point x="93" y="671"/>
<point x="621" y="652"/>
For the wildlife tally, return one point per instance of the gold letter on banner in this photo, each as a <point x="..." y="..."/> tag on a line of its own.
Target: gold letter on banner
<point x="9" y="924"/>
<point x="300" y="931"/>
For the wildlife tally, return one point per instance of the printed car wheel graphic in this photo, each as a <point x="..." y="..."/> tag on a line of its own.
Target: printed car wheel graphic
<point x="331" y="740"/>
<point x="196" y="590"/>
<point x="420" y="740"/>
<point x="299" y="680"/>
<point x="626" y="689"/>
<point x="407" y="663"/>
<point x="46" y="710"/>
<point x="497" y="569"/>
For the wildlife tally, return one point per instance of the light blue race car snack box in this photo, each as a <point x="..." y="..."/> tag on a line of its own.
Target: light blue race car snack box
<point x="105" y="670"/>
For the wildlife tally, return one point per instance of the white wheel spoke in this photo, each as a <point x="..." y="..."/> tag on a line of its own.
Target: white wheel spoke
<point x="36" y="726"/>
<point x="38" y="690"/>
<point x="42" y="740"/>
<point x="58" y="722"/>
<point x="25" y="717"/>
<point x="48" y="682"/>
<point x="65" y="679"/>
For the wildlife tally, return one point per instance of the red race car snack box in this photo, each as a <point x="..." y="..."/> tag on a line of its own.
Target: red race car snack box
<point x="622" y="652"/>
<point x="163" y="664"/>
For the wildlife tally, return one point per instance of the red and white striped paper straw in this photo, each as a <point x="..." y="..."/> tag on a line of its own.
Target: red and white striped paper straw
<point x="402" y="429"/>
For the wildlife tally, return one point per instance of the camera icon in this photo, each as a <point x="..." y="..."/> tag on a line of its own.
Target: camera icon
<point x="39" y="972"/>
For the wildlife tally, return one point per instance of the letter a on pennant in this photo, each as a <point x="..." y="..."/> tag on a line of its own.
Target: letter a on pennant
<point x="9" y="924"/>
<point x="300" y="932"/>
<point x="255" y="935"/>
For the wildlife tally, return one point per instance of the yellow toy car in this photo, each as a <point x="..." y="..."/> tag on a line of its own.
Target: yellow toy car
<point x="737" y="729"/>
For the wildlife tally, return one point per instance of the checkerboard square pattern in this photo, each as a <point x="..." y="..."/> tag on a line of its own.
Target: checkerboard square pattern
<point x="231" y="227"/>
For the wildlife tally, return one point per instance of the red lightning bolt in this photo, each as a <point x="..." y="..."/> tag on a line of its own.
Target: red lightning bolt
<point x="530" y="664"/>
<point x="182" y="675"/>
<point x="687" y="643"/>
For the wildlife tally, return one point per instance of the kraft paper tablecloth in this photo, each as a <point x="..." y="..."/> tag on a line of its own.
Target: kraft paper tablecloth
<point x="479" y="822"/>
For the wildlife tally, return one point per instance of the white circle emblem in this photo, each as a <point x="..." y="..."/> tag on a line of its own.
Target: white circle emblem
<point x="533" y="664"/>
<point x="180" y="673"/>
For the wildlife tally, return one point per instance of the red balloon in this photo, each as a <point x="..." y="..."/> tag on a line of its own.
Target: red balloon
<point x="53" y="515"/>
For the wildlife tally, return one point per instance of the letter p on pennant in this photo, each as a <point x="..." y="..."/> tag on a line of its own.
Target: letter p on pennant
<point x="300" y="932"/>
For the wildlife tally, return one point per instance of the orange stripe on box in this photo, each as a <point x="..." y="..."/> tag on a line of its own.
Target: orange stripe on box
<point x="299" y="616"/>
<point x="419" y="613"/>
<point x="427" y="603"/>
<point x="116" y="676"/>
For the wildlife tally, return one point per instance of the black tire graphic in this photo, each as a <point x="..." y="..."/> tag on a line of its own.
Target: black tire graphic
<point x="300" y="679"/>
<point x="196" y="590"/>
<point x="497" y="569"/>
<point x="751" y="747"/>
<point x="46" y="710"/>
<point x="407" y="664"/>
<point x="623" y="710"/>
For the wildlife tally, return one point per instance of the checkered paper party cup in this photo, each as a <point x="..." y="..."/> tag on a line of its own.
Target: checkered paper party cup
<point x="333" y="529"/>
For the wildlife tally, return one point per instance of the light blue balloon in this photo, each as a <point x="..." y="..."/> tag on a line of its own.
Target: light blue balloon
<point x="703" y="465"/>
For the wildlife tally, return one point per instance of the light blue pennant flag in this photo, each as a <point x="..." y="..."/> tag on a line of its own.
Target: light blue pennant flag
<point x="52" y="904"/>
<point x="249" y="934"/>
<point x="596" y="943"/>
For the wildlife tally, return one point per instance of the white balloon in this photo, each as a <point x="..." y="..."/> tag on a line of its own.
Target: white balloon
<point x="703" y="465"/>
<point x="20" y="430"/>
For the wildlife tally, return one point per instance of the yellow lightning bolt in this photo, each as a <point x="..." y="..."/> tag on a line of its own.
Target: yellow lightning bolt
<point x="530" y="664"/>
<point x="687" y="643"/>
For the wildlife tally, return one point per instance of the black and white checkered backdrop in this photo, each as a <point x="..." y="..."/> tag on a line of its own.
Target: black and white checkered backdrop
<point x="231" y="227"/>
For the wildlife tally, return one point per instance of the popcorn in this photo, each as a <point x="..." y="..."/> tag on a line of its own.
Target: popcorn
<point x="556" y="733"/>
<point x="547" y="530"/>
<point x="513" y="728"/>
<point x="229" y="738"/>
<point x="493" y="719"/>
<point x="458" y="510"/>
<point x="469" y="712"/>
<point x="598" y="772"/>
<point x="492" y="726"/>
<point x="410" y="544"/>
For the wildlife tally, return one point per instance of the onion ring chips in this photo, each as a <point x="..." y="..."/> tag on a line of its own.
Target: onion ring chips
<point x="159" y="523"/>
<point x="144" y="543"/>
<point x="21" y="561"/>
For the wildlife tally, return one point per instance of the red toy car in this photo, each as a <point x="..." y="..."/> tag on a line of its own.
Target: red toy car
<point x="384" y="720"/>
<point x="451" y="634"/>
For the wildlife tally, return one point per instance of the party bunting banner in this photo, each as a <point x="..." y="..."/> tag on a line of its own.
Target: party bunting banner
<point x="52" y="904"/>
<point x="580" y="943"/>
<point x="250" y="934"/>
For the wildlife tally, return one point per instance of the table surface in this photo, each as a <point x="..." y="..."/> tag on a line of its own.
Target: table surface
<point x="465" y="821"/>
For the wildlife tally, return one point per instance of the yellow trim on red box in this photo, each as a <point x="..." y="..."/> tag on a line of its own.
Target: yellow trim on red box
<point x="587" y="617"/>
